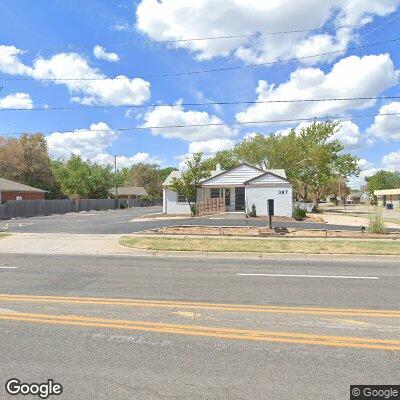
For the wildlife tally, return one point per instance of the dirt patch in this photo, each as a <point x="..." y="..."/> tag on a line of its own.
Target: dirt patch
<point x="261" y="231"/>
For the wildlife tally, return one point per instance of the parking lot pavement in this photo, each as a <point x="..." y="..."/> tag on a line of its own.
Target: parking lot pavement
<point x="128" y="221"/>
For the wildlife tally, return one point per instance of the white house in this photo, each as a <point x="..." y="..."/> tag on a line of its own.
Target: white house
<point x="236" y="189"/>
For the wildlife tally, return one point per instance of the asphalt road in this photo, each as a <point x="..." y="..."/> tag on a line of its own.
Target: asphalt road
<point x="120" y="222"/>
<point x="181" y="328"/>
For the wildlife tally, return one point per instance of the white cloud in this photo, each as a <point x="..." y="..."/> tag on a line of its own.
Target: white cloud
<point x="17" y="100"/>
<point x="102" y="90"/>
<point x="211" y="146"/>
<point x="87" y="143"/>
<point x="10" y="62"/>
<point x="391" y="161"/>
<point x="177" y="116"/>
<point x="352" y="76"/>
<point x="92" y="145"/>
<point x="101" y="53"/>
<point x="386" y="127"/>
<point x="126" y="162"/>
<point x="348" y="134"/>
<point x="367" y="169"/>
<point x="177" y="19"/>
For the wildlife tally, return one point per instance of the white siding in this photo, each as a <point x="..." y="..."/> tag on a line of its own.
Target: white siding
<point x="259" y="195"/>
<point x="171" y="205"/>
<point x="269" y="178"/>
<point x="235" y="177"/>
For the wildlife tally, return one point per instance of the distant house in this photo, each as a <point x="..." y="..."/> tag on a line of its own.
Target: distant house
<point x="130" y="192"/>
<point x="354" y="197"/>
<point x="10" y="190"/>
<point x="236" y="189"/>
<point x="366" y="198"/>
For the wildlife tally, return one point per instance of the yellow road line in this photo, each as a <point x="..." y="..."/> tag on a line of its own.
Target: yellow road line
<point x="199" y="305"/>
<point x="194" y="330"/>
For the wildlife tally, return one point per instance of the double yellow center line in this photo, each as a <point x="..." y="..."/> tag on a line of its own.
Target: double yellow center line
<point x="224" y="333"/>
<point x="194" y="330"/>
<point x="202" y="306"/>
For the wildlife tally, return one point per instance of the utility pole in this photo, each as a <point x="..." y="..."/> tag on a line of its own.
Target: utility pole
<point x="116" y="181"/>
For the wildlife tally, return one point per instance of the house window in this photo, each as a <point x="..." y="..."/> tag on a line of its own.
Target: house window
<point x="215" y="193"/>
<point x="182" y="199"/>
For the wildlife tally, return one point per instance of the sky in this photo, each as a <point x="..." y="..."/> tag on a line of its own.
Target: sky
<point x="104" y="59"/>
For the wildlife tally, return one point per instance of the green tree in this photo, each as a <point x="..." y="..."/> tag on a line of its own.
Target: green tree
<point x="227" y="159"/>
<point x="194" y="171"/>
<point x="383" y="180"/>
<point x="145" y="175"/>
<point x="311" y="158"/>
<point x="81" y="179"/>
<point x="26" y="160"/>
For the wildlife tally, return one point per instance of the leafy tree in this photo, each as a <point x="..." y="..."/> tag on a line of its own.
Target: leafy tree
<point x="26" y="160"/>
<point x="81" y="179"/>
<point x="383" y="180"/>
<point x="145" y="175"/>
<point x="311" y="158"/>
<point x="194" y="171"/>
<point x="227" y="159"/>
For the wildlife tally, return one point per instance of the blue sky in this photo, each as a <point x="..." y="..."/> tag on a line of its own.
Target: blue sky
<point x="56" y="39"/>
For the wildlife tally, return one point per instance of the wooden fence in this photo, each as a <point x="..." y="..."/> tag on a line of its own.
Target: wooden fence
<point x="210" y="205"/>
<point x="35" y="208"/>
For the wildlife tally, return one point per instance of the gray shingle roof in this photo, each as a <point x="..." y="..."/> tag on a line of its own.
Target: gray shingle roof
<point x="176" y="175"/>
<point x="11" y="186"/>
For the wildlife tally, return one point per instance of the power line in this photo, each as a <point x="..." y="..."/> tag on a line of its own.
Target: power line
<point x="236" y="36"/>
<point x="211" y="103"/>
<point x="276" y="121"/>
<point x="214" y="69"/>
<point x="233" y="36"/>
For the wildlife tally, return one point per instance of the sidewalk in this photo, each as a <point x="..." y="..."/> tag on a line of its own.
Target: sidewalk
<point x="62" y="243"/>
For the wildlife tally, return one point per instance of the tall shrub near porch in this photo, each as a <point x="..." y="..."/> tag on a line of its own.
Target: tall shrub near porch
<point x="193" y="172"/>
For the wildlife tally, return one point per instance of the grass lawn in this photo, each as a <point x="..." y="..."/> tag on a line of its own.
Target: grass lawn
<point x="3" y="235"/>
<point x="324" y="246"/>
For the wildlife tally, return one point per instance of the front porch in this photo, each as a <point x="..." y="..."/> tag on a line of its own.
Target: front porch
<point x="221" y="199"/>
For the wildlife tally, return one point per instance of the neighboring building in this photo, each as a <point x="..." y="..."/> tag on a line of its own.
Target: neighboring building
<point x="130" y="192"/>
<point x="388" y="196"/>
<point x="236" y="189"/>
<point x="354" y="197"/>
<point x="10" y="190"/>
<point x="366" y="198"/>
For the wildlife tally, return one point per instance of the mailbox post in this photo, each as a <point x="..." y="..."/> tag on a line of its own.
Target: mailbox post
<point x="270" y="211"/>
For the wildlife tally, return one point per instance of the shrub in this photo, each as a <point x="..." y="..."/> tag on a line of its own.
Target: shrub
<point x="253" y="212"/>
<point x="123" y="205"/>
<point x="376" y="222"/>
<point x="299" y="214"/>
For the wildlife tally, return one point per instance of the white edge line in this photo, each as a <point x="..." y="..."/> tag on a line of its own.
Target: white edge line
<point x="8" y="267"/>
<point x="314" y="276"/>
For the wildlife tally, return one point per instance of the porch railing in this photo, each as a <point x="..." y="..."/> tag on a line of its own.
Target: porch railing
<point x="210" y="205"/>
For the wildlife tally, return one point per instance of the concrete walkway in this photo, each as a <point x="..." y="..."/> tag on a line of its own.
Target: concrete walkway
<point x="62" y="243"/>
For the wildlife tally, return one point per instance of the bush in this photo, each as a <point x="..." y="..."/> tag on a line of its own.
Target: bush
<point x="299" y="214"/>
<point x="253" y="212"/>
<point x="376" y="222"/>
<point x="123" y="205"/>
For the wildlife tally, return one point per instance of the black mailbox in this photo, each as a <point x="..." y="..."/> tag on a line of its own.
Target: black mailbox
<point x="270" y="207"/>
